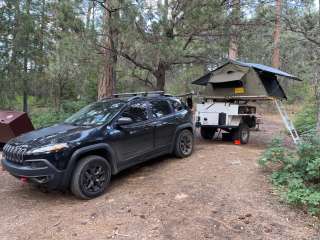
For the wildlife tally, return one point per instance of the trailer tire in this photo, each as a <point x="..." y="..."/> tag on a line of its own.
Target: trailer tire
<point x="207" y="132"/>
<point x="242" y="133"/>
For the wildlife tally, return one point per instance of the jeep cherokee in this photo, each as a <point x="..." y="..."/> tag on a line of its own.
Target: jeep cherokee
<point x="99" y="141"/>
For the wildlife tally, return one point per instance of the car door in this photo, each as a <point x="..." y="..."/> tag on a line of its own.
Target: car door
<point x="135" y="139"/>
<point x="164" y="122"/>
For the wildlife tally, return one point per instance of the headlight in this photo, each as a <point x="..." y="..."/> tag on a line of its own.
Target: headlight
<point x="50" y="148"/>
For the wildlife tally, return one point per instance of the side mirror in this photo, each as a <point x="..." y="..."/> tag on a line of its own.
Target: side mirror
<point x="124" y="121"/>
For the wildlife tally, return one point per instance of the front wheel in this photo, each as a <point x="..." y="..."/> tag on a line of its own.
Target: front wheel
<point x="91" y="177"/>
<point x="184" y="144"/>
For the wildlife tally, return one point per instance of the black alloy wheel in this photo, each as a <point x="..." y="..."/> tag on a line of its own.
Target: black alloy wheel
<point x="91" y="177"/>
<point x="184" y="144"/>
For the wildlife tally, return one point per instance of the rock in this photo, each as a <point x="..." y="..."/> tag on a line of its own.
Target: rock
<point x="181" y="196"/>
<point x="248" y="215"/>
<point x="267" y="230"/>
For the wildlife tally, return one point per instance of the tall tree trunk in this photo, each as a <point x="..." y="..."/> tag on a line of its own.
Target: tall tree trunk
<point x="25" y="62"/>
<point x="318" y="77"/>
<point x="106" y="85"/>
<point x="160" y="75"/>
<point x="276" y="62"/>
<point x="234" y="33"/>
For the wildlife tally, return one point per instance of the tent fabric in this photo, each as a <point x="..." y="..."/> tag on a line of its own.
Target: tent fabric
<point x="265" y="68"/>
<point x="203" y="81"/>
<point x="229" y="76"/>
<point x="256" y="80"/>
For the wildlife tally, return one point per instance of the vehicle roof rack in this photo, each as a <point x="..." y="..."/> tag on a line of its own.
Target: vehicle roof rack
<point x="138" y="94"/>
<point x="135" y="94"/>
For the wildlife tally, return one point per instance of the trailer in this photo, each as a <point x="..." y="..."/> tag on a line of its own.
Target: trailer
<point x="228" y="94"/>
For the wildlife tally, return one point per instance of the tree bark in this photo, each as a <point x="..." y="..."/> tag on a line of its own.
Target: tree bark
<point x="160" y="75"/>
<point x="234" y="34"/>
<point x="25" y="63"/>
<point x="318" y="78"/>
<point x="276" y="62"/>
<point x="106" y="84"/>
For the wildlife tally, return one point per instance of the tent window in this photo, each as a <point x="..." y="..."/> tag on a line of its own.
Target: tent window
<point x="231" y="84"/>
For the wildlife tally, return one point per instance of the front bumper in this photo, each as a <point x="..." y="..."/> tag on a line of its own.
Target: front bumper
<point x="39" y="171"/>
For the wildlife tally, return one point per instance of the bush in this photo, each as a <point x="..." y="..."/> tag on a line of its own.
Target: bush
<point x="305" y="120"/>
<point x="47" y="117"/>
<point x="298" y="173"/>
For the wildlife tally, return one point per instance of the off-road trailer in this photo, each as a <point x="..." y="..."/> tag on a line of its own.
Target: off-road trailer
<point x="228" y="91"/>
<point x="235" y="116"/>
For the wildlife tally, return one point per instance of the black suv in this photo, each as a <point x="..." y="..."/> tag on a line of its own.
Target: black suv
<point x="99" y="141"/>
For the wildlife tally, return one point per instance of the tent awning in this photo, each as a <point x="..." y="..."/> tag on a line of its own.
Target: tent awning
<point x="258" y="67"/>
<point x="265" y="68"/>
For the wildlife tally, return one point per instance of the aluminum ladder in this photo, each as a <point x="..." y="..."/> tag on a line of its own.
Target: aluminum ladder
<point x="287" y="122"/>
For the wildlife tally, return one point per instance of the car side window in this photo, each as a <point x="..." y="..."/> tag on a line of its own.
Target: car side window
<point x="177" y="105"/>
<point x="160" y="108"/>
<point x="138" y="112"/>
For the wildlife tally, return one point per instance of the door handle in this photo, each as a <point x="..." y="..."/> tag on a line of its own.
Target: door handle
<point x="133" y="131"/>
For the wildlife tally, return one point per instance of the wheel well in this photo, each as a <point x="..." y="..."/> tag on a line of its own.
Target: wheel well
<point x="99" y="152"/>
<point x="187" y="128"/>
<point x="249" y="120"/>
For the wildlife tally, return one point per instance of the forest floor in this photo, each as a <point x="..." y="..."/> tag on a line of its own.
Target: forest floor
<point x="219" y="192"/>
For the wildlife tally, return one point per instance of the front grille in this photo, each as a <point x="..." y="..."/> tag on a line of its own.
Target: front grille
<point x="14" y="153"/>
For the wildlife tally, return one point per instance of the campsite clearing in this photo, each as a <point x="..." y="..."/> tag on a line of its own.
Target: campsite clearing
<point x="219" y="192"/>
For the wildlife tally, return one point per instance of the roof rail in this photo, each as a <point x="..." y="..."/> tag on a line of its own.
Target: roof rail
<point x="134" y="94"/>
<point x="138" y="94"/>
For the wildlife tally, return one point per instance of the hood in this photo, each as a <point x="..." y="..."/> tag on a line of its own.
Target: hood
<point x="59" y="133"/>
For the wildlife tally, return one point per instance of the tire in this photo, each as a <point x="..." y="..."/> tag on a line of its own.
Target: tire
<point x="184" y="144"/>
<point x="91" y="177"/>
<point x="242" y="133"/>
<point x="207" y="132"/>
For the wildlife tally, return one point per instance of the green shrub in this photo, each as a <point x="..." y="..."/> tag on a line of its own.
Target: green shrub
<point x="305" y="120"/>
<point x="48" y="118"/>
<point x="44" y="117"/>
<point x="298" y="172"/>
<point x="73" y="106"/>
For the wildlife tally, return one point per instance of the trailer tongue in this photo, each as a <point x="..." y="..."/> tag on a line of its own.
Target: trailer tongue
<point x="227" y="92"/>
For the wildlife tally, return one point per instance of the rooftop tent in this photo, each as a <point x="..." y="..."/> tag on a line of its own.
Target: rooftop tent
<point x="236" y="78"/>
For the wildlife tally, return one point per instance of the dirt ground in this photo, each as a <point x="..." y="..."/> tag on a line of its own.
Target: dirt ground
<point x="218" y="193"/>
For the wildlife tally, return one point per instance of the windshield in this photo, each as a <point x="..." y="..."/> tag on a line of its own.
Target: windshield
<point x="95" y="114"/>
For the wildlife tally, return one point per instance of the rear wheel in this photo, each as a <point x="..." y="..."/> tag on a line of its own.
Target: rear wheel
<point x="207" y="132"/>
<point x="184" y="144"/>
<point x="242" y="133"/>
<point x="91" y="177"/>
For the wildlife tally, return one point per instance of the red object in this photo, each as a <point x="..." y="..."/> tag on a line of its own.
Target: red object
<point x="237" y="142"/>
<point x="24" y="179"/>
<point x="13" y="124"/>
